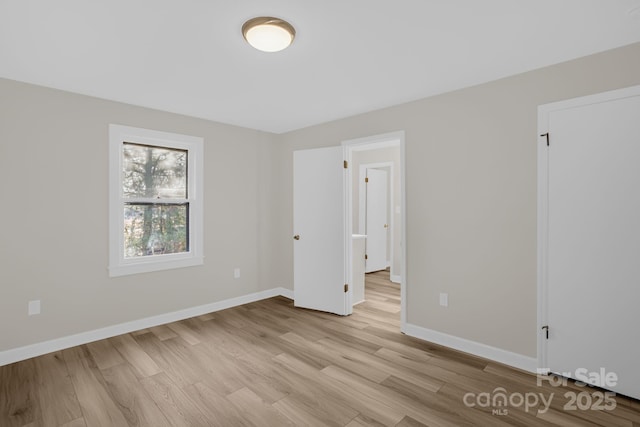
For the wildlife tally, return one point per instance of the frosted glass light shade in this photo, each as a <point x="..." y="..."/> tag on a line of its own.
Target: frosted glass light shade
<point x="268" y="34"/>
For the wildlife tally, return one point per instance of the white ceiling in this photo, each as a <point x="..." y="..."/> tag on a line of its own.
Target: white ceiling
<point x="349" y="56"/>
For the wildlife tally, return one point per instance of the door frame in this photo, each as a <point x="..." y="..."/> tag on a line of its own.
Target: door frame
<point x="543" y="198"/>
<point x="391" y="139"/>
<point x="362" y="201"/>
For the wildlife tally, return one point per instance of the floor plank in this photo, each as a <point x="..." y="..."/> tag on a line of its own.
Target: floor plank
<point x="56" y="395"/>
<point x="132" y="399"/>
<point x="131" y="351"/>
<point x="18" y="394"/>
<point x="104" y="354"/>
<point x="98" y="406"/>
<point x="257" y="411"/>
<point x="173" y="402"/>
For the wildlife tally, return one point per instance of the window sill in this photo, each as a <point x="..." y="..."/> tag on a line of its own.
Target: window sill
<point x="144" y="266"/>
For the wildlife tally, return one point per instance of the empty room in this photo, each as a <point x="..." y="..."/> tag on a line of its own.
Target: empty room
<point x="285" y="213"/>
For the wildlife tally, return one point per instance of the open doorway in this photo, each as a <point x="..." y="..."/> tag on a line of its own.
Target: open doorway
<point x="376" y="243"/>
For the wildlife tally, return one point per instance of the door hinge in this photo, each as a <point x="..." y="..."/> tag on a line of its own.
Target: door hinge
<point x="366" y="256"/>
<point x="366" y="179"/>
<point x="547" y="135"/>
<point x="346" y="287"/>
<point x="546" y="329"/>
<point x="346" y="164"/>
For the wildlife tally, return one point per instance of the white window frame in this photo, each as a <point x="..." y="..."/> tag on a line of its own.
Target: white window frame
<point x="118" y="264"/>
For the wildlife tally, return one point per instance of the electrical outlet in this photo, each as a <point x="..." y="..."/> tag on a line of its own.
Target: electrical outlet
<point x="34" y="307"/>
<point x="444" y="299"/>
<point x="236" y="273"/>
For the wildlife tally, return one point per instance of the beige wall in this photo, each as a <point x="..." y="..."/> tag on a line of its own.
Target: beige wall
<point x="381" y="155"/>
<point x="54" y="235"/>
<point x="471" y="194"/>
<point x="471" y="206"/>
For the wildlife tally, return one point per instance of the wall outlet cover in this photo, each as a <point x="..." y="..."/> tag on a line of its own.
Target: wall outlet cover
<point x="34" y="307"/>
<point x="444" y="299"/>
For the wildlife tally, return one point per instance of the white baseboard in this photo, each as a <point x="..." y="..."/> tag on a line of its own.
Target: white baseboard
<point x="33" y="350"/>
<point x="526" y="363"/>
<point x="287" y="293"/>
<point x="395" y="279"/>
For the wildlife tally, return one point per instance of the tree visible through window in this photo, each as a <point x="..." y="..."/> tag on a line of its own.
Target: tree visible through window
<point x="156" y="207"/>
<point x="156" y="212"/>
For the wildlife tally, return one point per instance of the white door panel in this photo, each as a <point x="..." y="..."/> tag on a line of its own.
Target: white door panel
<point x="319" y="221"/>
<point x="376" y="220"/>
<point x="593" y="258"/>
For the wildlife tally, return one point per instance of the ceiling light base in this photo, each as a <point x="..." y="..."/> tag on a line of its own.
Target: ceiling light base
<point x="268" y="34"/>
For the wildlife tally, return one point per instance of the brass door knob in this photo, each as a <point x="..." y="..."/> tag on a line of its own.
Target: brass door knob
<point x="296" y="237"/>
<point x="386" y="226"/>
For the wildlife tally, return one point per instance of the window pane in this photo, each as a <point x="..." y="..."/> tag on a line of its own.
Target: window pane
<point x="154" y="172"/>
<point x="155" y="229"/>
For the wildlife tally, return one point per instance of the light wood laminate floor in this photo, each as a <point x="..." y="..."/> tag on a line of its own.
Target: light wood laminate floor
<point x="270" y="364"/>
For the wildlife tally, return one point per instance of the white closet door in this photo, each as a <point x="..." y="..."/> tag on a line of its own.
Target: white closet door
<point x="593" y="252"/>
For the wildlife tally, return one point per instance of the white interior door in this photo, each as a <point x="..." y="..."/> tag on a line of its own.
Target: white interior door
<point x="376" y="219"/>
<point x="319" y="230"/>
<point x="593" y="234"/>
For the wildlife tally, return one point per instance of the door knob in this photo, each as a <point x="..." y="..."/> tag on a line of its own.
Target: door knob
<point x="386" y="225"/>
<point x="296" y="237"/>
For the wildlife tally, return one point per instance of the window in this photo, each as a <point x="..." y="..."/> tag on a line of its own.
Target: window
<point x="155" y="200"/>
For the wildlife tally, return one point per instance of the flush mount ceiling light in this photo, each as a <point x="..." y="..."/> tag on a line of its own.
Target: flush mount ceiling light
<point x="268" y="34"/>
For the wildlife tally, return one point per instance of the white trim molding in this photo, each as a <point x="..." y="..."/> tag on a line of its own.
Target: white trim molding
<point x="287" y="293"/>
<point x="526" y="363"/>
<point x="391" y="139"/>
<point x="119" y="263"/>
<point x="38" y="349"/>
